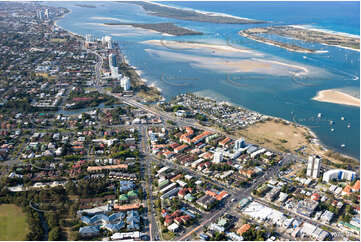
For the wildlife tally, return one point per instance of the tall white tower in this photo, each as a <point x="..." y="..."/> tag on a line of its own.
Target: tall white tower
<point x="238" y="144"/>
<point x="46" y="13"/>
<point x="125" y="83"/>
<point x="114" y="71"/>
<point x="313" y="166"/>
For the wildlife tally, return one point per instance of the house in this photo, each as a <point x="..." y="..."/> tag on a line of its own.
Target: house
<point x="124" y="236"/>
<point x="178" y="221"/>
<point x="224" y="141"/>
<point x="200" y="137"/>
<point x="89" y="231"/>
<point x="185" y="139"/>
<point x="306" y="207"/>
<point x="206" y="201"/>
<point x="188" y="197"/>
<point x="185" y="219"/>
<point x="327" y="216"/>
<point x="126" y="207"/>
<point x="233" y="236"/>
<point x="247" y="172"/>
<point x="244" y="228"/>
<point x="177" y="177"/>
<point x="180" y="148"/>
<point x="114" y="227"/>
<point x="315" y="197"/>
<point x="168" y="154"/>
<point x="173" y="227"/>
<point x="168" y="221"/>
<point x="182" y="193"/>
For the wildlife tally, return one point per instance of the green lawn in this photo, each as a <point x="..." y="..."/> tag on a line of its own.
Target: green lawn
<point x="12" y="223"/>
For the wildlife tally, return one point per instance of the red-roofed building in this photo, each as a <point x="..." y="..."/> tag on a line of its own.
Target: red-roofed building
<point x="174" y="145"/>
<point x="189" y="131"/>
<point x="211" y="193"/>
<point x="180" y="148"/>
<point x="176" y="213"/>
<point x="315" y="197"/>
<point x="185" y="218"/>
<point x="177" y="177"/>
<point x="168" y="221"/>
<point x="178" y="220"/>
<point x="201" y="137"/>
<point x="356" y="186"/>
<point x="201" y="166"/>
<point x="185" y="139"/>
<point x="346" y="191"/>
<point x="225" y="141"/>
<point x="244" y="228"/>
<point x="182" y="193"/>
<point x="168" y="154"/>
<point x="221" y="195"/>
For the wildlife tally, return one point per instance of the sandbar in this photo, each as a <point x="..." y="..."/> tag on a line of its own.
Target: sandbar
<point x="194" y="45"/>
<point x="335" y="96"/>
<point x="232" y="65"/>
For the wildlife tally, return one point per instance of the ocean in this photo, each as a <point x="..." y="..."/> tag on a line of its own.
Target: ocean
<point x="270" y="80"/>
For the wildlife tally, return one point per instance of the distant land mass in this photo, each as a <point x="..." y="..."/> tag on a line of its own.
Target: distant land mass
<point x="85" y="5"/>
<point x="303" y="34"/>
<point x="183" y="14"/>
<point x="167" y="28"/>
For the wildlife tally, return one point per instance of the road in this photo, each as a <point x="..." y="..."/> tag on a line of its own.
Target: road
<point x="154" y="232"/>
<point x="236" y="193"/>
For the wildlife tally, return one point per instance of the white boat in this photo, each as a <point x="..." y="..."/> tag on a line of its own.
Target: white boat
<point x="331" y="122"/>
<point x="349" y="126"/>
<point x="332" y="130"/>
<point x="343" y="146"/>
<point x="342" y="118"/>
<point x="319" y="115"/>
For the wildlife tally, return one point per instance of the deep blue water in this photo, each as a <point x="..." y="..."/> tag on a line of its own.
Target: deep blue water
<point x="335" y="16"/>
<point x="269" y="93"/>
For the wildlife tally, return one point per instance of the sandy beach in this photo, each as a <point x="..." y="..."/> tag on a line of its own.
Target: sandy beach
<point x="189" y="45"/>
<point x="335" y="96"/>
<point x="130" y="30"/>
<point x="247" y="63"/>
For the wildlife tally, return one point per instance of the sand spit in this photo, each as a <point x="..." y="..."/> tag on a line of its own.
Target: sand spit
<point x="193" y="45"/>
<point x="231" y="65"/>
<point x="338" y="97"/>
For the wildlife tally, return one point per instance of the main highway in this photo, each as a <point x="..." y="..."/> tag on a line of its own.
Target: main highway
<point x="235" y="193"/>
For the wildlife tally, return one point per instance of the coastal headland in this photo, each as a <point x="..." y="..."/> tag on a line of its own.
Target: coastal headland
<point x="303" y="34"/>
<point x="338" y="97"/>
<point x="190" y="15"/>
<point x="166" y="28"/>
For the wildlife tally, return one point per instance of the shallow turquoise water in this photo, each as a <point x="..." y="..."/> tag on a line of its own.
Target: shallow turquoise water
<point x="271" y="94"/>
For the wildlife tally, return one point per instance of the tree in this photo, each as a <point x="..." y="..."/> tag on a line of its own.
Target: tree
<point x="53" y="220"/>
<point x="54" y="234"/>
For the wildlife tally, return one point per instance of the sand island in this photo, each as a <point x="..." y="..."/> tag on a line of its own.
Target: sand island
<point x="166" y="28"/>
<point x="303" y="34"/>
<point x="335" y="96"/>
<point x="190" y="15"/>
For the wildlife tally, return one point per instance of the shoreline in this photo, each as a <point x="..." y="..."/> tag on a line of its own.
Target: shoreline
<point x="277" y="44"/>
<point x="203" y="12"/>
<point x="189" y="14"/>
<point x="179" y="45"/>
<point x="154" y="85"/>
<point x="130" y="26"/>
<point x="322" y="147"/>
<point x="337" y="97"/>
<point x="303" y="34"/>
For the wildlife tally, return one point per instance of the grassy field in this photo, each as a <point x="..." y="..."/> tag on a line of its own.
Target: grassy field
<point x="286" y="137"/>
<point x="13" y="225"/>
<point x="276" y="135"/>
